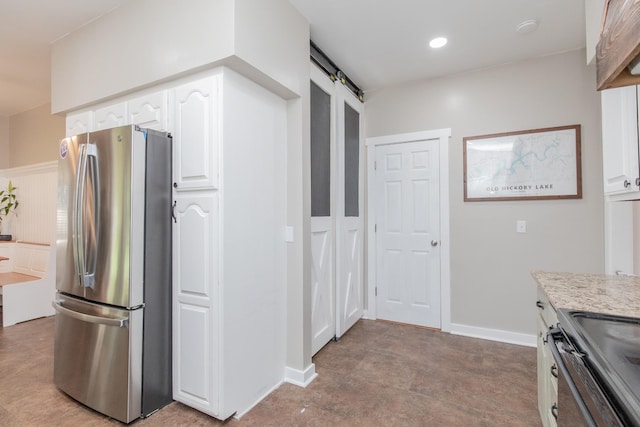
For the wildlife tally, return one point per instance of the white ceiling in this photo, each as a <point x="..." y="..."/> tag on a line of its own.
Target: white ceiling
<point x="376" y="42"/>
<point x="379" y="43"/>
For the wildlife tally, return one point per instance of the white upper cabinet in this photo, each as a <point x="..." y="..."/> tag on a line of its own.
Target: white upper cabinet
<point x="110" y="116"/>
<point x="620" y="143"/>
<point x="195" y="138"/>
<point x="149" y="111"/>
<point x="78" y="123"/>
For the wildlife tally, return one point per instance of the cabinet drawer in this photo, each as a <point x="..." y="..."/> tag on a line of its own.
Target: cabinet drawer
<point x="545" y="309"/>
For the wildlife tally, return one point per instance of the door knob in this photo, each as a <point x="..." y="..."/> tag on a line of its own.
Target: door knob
<point x="434" y="243"/>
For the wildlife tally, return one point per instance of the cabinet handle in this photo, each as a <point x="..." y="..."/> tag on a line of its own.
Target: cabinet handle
<point x="627" y="184"/>
<point x="173" y="212"/>
<point x="540" y="305"/>
<point x="554" y="411"/>
<point x="554" y="371"/>
<point x="638" y="182"/>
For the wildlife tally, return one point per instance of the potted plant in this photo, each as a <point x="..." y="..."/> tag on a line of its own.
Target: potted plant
<point x="8" y="203"/>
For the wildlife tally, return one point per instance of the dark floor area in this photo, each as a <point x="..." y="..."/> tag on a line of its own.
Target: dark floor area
<point x="378" y="374"/>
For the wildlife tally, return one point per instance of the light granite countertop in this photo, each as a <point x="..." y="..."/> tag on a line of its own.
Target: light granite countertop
<point x="619" y="295"/>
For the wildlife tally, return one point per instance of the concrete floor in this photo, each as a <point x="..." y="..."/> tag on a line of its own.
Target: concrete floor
<point x="378" y="374"/>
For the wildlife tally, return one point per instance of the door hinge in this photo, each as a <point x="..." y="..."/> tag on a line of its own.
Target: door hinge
<point x="376" y="291"/>
<point x="375" y="165"/>
<point x="375" y="228"/>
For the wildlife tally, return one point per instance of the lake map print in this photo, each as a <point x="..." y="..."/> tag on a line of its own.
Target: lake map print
<point x="535" y="164"/>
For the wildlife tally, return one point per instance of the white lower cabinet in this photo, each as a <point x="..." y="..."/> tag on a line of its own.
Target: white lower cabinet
<point x="547" y="369"/>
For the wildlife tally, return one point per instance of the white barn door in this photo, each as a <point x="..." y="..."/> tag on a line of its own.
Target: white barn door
<point x="337" y="209"/>
<point x="323" y="313"/>
<point x="349" y="210"/>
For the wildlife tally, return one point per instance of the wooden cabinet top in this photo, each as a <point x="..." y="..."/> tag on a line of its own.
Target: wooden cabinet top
<point x="619" y="44"/>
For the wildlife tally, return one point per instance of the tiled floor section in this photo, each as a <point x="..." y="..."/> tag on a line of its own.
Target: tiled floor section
<point x="378" y="374"/>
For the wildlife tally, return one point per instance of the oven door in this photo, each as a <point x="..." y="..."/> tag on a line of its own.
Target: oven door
<point x="581" y="401"/>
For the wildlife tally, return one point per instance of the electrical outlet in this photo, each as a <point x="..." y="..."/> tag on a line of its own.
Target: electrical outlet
<point x="521" y="226"/>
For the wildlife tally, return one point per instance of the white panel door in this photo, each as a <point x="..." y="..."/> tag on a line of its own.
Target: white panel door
<point x="196" y="357"/>
<point x="349" y="211"/>
<point x="196" y="135"/>
<point x="149" y="111"/>
<point x="323" y="284"/>
<point x="407" y="237"/>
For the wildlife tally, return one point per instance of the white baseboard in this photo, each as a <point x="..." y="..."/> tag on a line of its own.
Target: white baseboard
<point x="240" y="413"/>
<point x="300" y="378"/>
<point x="368" y="315"/>
<point x="494" y="335"/>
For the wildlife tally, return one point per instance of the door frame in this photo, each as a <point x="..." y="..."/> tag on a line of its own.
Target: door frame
<point x="443" y="136"/>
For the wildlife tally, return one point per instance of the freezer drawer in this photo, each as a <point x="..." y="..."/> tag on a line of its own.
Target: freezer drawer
<point x="98" y="356"/>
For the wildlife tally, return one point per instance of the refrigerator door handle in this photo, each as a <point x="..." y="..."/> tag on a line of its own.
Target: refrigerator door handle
<point x="87" y="278"/>
<point x="78" y="202"/>
<point x="119" y="322"/>
<point x="91" y="249"/>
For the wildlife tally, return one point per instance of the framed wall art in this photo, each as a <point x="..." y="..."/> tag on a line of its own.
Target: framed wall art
<point x="533" y="164"/>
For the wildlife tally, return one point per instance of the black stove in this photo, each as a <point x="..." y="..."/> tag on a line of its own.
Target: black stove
<point x="608" y="347"/>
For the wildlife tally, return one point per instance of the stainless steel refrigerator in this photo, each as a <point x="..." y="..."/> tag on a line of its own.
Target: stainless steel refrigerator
<point x="113" y="302"/>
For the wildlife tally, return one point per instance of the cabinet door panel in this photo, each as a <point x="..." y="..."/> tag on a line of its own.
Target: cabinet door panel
<point x="78" y="123"/>
<point x="620" y="140"/>
<point x="193" y="352"/>
<point x="195" y="308"/>
<point x="149" y="111"/>
<point x="110" y="116"/>
<point x="195" y="139"/>
<point x="195" y="244"/>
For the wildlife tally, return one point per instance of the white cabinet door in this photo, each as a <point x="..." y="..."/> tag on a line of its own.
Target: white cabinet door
<point x="196" y="347"/>
<point x="110" y="116"/>
<point x="620" y="140"/>
<point x="196" y="135"/>
<point x="77" y="123"/>
<point x="149" y="111"/>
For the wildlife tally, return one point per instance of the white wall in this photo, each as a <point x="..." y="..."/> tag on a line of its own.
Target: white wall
<point x="34" y="136"/>
<point x="4" y="142"/>
<point x="490" y="263"/>
<point x="141" y="42"/>
<point x="145" y="42"/>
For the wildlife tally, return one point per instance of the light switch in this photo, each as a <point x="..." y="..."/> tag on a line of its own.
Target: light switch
<point x="288" y="234"/>
<point x="521" y="226"/>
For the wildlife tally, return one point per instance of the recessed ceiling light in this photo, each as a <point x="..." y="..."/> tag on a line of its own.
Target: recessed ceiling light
<point x="528" y="26"/>
<point x="438" y="42"/>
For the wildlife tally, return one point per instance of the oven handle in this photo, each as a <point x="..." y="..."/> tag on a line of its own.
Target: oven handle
<point x="554" y="335"/>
